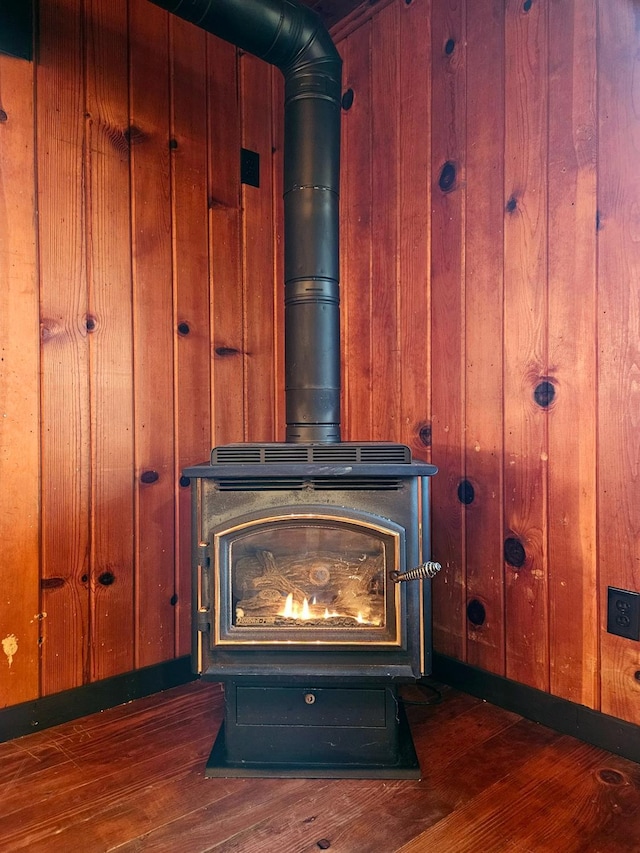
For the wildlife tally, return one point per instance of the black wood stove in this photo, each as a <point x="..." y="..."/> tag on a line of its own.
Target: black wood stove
<point x="302" y="609"/>
<point x="310" y="572"/>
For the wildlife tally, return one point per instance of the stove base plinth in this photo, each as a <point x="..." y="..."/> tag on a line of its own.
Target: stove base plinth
<point x="267" y="732"/>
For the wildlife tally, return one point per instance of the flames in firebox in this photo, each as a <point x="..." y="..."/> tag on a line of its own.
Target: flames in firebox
<point x="318" y="589"/>
<point x="308" y="611"/>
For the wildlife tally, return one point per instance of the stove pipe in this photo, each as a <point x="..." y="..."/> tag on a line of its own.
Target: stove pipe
<point x="292" y="38"/>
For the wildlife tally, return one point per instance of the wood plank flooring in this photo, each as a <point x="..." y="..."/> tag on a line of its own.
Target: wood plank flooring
<point x="131" y="779"/>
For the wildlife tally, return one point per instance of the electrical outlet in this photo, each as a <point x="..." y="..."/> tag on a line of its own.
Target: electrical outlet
<point x="623" y="613"/>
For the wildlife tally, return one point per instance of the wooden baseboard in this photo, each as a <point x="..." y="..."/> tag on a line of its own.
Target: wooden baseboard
<point x="581" y="722"/>
<point x="28" y="717"/>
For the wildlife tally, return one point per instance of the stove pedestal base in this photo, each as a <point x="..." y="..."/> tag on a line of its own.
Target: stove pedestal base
<point x="313" y="732"/>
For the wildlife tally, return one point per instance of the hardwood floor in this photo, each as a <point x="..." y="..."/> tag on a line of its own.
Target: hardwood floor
<point x="131" y="779"/>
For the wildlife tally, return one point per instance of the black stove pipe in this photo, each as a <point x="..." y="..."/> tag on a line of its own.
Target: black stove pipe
<point x="292" y="38"/>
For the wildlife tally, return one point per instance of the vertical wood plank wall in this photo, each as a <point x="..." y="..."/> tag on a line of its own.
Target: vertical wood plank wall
<point x="508" y="199"/>
<point x="126" y="237"/>
<point x="19" y="390"/>
<point x="109" y="333"/>
<point x="490" y="318"/>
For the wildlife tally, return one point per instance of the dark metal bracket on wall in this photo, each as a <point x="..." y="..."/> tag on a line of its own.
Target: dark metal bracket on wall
<point x="17" y="19"/>
<point x="249" y="167"/>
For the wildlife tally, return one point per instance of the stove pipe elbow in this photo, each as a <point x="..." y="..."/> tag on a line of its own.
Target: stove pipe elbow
<point x="292" y="38"/>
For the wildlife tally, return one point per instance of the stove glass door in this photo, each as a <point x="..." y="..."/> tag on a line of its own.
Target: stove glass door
<point x="308" y="578"/>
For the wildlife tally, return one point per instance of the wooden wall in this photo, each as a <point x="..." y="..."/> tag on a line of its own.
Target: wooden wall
<point x="490" y="268"/>
<point x="490" y="177"/>
<point x="127" y="238"/>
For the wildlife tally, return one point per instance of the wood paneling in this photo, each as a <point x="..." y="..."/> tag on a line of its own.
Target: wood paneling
<point x="259" y="286"/>
<point x="489" y="269"/>
<point x="447" y="318"/>
<point x="189" y="188"/>
<point x="573" y="629"/>
<point x="153" y="326"/>
<point x="414" y="179"/>
<point x="618" y="321"/>
<point x="521" y="309"/>
<point x="356" y="236"/>
<point x="65" y="405"/>
<point x="277" y="165"/>
<point x="385" y="130"/>
<point x="109" y="335"/>
<point x="129" y="125"/>
<point x="19" y="389"/>
<point x="483" y="486"/>
<point x="225" y="222"/>
<point x="526" y="449"/>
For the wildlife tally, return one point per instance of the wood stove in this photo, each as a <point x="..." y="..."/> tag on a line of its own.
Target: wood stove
<point x="312" y="602"/>
<point x="310" y="572"/>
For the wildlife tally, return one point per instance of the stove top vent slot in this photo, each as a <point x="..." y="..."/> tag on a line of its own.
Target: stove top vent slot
<point x="342" y="453"/>
<point x="330" y="484"/>
<point x="278" y="484"/>
<point x="363" y="485"/>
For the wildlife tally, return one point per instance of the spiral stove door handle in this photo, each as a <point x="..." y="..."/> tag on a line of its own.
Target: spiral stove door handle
<point x="426" y="570"/>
